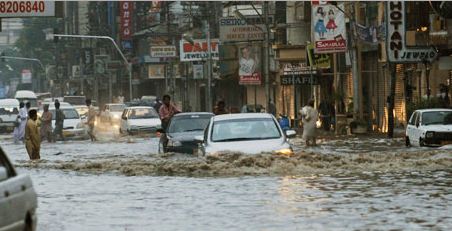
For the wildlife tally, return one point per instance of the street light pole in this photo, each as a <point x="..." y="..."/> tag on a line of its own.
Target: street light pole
<point x="266" y="57"/>
<point x="209" y="68"/>
<point x="27" y="59"/>
<point x="129" y="64"/>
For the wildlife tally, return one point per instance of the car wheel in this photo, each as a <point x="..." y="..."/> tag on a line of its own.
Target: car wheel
<point x="407" y="141"/>
<point x="421" y="142"/>
<point x="28" y="223"/>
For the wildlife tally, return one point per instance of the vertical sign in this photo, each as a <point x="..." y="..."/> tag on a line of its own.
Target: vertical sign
<point x="249" y="66"/>
<point x="125" y="14"/>
<point x="328" y="28"/>
<point x="396" y="48"/>
<point x="26" y="76"/>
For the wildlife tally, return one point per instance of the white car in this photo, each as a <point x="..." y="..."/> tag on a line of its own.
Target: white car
<point x="429" y="127"/>
<point x="250" y="133"/>
<point x="140" y="120"/>
<point x="112" y="113"/>
<point x="27" y="96"/>
<point x="18" y="199"/>
<point x="73" y="125"/>
<point x="8" y="116"/>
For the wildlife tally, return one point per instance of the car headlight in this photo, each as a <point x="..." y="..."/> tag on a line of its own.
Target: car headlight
<point x="284" y="152"/>
<point x="429" y="135"/>
<point x="174" y="143"/>
<point x="79" y="125"/>
<point x="116" y="116"/>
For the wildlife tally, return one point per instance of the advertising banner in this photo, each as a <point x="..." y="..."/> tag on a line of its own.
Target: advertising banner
<point x="198" y="51"/>
<point x="249" y="65"/>
<point x="396" y="48"/>
<point x="163" y="51"/>
<point x="198" y="71"/>
<point x="125" y="15"/>
<point x="317" y="60"/>
<point x="241" y="30"/>
<point x="328" y="28"/>
<point x="18" y="9"/>
<point x="26" y="76"/>
<point x="156" y="71"/>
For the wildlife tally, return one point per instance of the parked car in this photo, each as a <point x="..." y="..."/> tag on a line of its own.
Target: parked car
<point x="112" y="113"/>
<point x="8" y="116"/>
<point x="140" y="120"/>
<point x="73" y="127"/>
<point x="27" y="96"/>
<point x="182" y="130"/>
<point x="18" y="199"/>
<point x="78" y="102"/>
<point x="429" y="127"/>
<point x="249" y="133"/>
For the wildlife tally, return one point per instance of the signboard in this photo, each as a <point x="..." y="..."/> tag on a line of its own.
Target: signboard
<point x="113" y="65"/>
<point x="241" y="30"/>
<point x="163" y="51"/>
<point x="396" y="48"/>
<point x="26" y="76"/>
<point x="198" y="71"/>
<point x="88" y="61"/>
<point x="156" y="71"/>
<point x="75" y="71"/>
<point x="249" y="65"/>
<point x="299" y="80"/>
<point x="125" y="15"/>
<point x="100" y="63"/>
<point x="198" y="50"/>
<point x="317" y="60"/>
<point x="18" y="9"/>
<point x="328" y="28"/>
<point x="298" y="74"/>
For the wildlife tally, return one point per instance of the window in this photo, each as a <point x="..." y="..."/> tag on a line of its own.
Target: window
<point x="413" y="118"/>
<point x="5" y="166"/>
<point x="437" y="117"/>
<point x="416" y="120"/>
<point x="187" y="124"/>
<point x="245" y="129"/>
<point x="143" y="113"/>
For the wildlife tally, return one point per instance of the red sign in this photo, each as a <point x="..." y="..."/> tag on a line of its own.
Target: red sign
<point x="254" y="79"/>
<point x="125" y="14"/>
<point x="198" y="50"/>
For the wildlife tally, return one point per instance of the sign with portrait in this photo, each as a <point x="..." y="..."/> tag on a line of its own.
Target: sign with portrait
<point x="328" y="28"/>
<point x="249" y="65"/>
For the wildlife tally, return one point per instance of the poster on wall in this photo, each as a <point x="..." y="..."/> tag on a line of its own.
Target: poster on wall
<point x="249" y="65"/>
<point x="328" y="28"/>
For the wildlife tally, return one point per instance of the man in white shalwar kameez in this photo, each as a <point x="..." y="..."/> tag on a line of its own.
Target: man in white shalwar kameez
<point x="309" y="117"/>
<point x="23" y="115"/>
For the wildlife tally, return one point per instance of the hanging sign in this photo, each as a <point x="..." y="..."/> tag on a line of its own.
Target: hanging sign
<point x="396" y="48"/>
<point x="328" y="28"/>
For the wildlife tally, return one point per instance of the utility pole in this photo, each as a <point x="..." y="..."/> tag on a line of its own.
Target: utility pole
<point x="209" y="69"/>
<point x="354" y="58"/>
<point x="390" y="100"/>
<point x="266" y="56"/>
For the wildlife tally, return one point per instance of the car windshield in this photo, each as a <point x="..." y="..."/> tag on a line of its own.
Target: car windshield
<point x="143" y="113"/>
<point x="75" y="100"/>
<point x="33" y="102"/>
<point x="118" y="108"/>
<point x="69" y="113"/>
<point x="245" y="129"/>
<point x="437" y="117"/>
<point x="189" y="123"/>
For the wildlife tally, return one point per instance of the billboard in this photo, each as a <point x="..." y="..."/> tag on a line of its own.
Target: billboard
<point x="26" y="76"/>
<point x="163" y="51"/>
<point x="17" y="9"/>
<point x="242" y="30"/>
<point x="317" y="60"/>
<point x="125" y="15"/>
<point x="249" y="65"/>
<point x="328" y="28"/>
<point x="198" y="51"/>
<point x="156" y="71"/>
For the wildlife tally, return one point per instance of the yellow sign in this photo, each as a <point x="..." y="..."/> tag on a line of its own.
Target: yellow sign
<point x="320" y="61"/>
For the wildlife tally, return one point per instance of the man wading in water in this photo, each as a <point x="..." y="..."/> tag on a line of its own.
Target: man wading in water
<point x="32" y="137"/>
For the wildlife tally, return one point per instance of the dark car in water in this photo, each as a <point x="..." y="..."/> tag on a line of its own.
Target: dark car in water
<point x="181" y="132"/>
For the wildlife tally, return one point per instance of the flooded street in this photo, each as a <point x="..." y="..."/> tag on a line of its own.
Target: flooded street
<point x="121" y="183"/>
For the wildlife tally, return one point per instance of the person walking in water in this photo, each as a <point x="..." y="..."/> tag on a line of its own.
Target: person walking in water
<point x="167" y="111"/>
<point x="46" y="124"/>
<point x="32" y="137"/>
<point x="22" y="119"/>
<point x="91" y="119"/>
<point x="59" y="121"/>
<point x="309" y="117"/>
<point x="220" y="108"/>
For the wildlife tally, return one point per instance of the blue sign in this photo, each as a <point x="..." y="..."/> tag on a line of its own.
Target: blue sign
<point x="127" y="44"/>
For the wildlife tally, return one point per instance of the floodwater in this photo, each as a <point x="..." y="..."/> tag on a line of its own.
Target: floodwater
<point x="342" y="184"/>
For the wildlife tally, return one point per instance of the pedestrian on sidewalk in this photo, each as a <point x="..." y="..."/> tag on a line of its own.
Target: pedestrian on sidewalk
<point x="309" y="117"/>
<point x="32" y="137"/>
<point x="59" y="121"/>
<point x="46" y="124"/>
<point x="91" y="120"/>
<point x="220" y="108"/>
